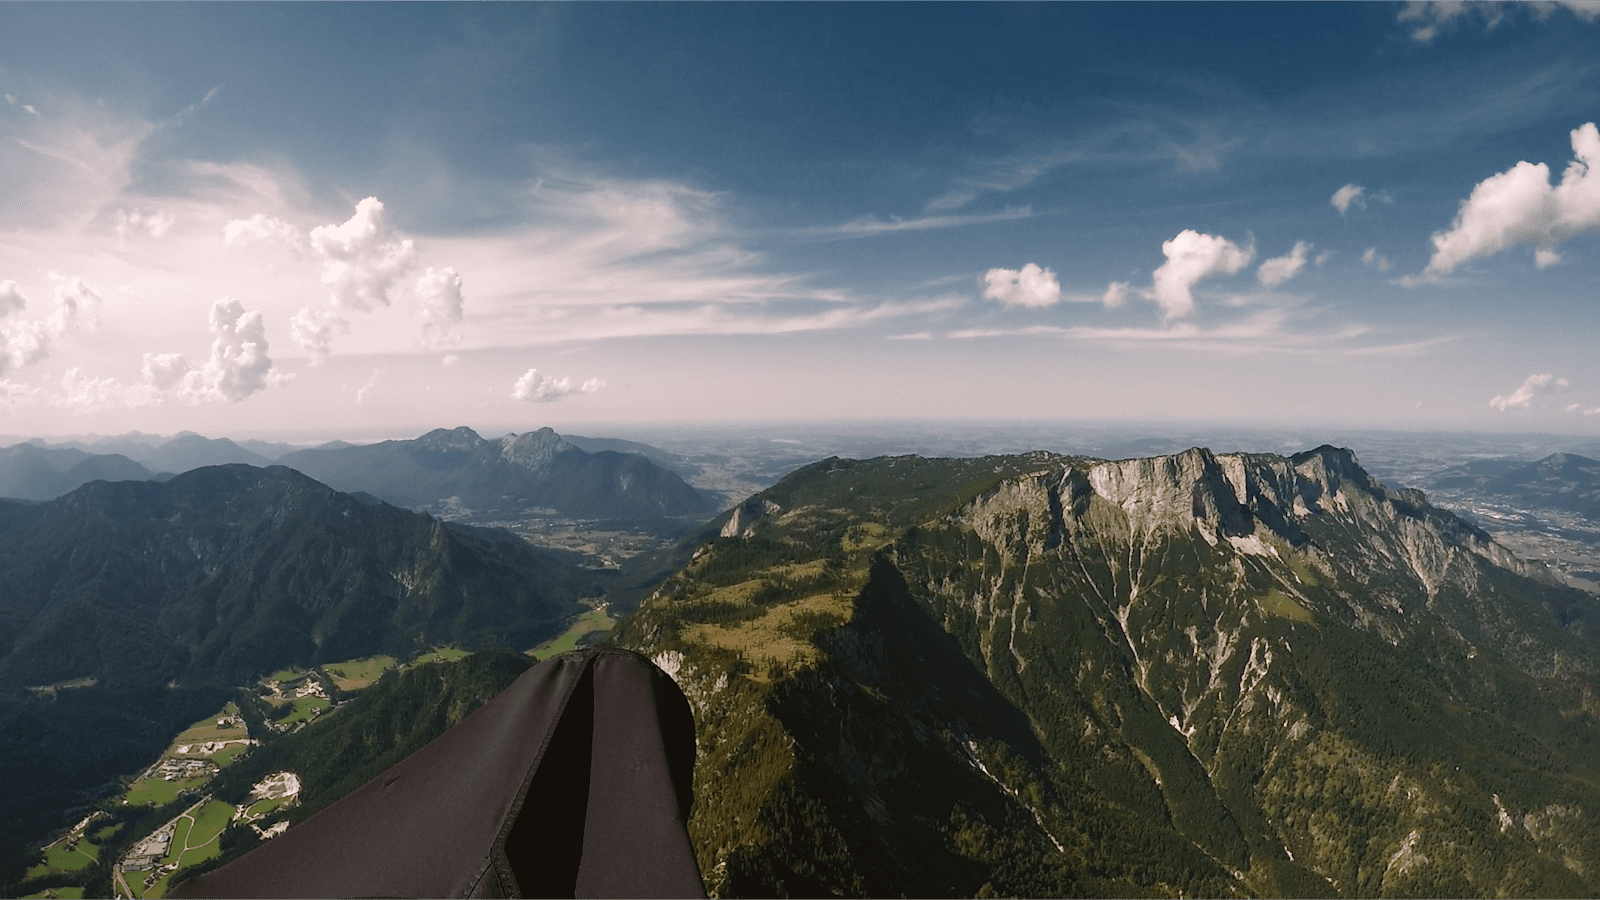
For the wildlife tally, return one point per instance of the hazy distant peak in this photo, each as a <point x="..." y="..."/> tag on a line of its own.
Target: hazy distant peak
<point x="446" y="439"/>
<point x="534" y="449"/>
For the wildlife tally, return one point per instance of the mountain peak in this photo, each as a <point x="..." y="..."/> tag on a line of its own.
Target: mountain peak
<point x="535" y="449"/>
<point x="451" y="439"/>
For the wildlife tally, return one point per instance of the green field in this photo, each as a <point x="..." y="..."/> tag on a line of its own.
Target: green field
<point x="58" y="859"/>
<point x="305" y="709"/>
<point x="440" y="654"/>
<point x="194" y="840"/>
<point x="1277" y="603"/>
<point x="596" y="619"/>
<point x="207" y="729"/>
<point x="285" y="675"/>
<point x="263" y="808"/>
<point x="157" y="791"/>
<point x="228" y="754"/>
<point x="359" y="673"/>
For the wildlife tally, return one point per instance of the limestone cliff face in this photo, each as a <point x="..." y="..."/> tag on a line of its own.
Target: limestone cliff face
<point x="1316" y="683"/>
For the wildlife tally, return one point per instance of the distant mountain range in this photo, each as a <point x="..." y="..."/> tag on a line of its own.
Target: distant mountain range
<point x="1193" y="674"/>
<point x="452" y="470"/>
<point x="445" y="471"/>
<point x="1563" y="481"/>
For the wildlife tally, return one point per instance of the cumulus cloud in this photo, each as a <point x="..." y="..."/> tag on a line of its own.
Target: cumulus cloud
<point x="314" y="330"/>
<point x="1347" y="195"/>
<point x="1191" y="258"/>
<point x="25" y="342"/>
<point x="1533" y="386"/>
<point x="1116" y="294"/>
<point x="1028" y="286"/>
<point x="154" y="224"/>
<point x="364" y="264"/>
<point x="536" y="388"/>
<point x="87" y="394"/>
<point x="1518" y="206"/>
<point x="439" y="303"/>
<point x="362" y="259"/>
<point x="1375" y="259"/>
<point x="237" y="367"/>
<point x="261" y="227"/>
<point x="1276" y="271"/>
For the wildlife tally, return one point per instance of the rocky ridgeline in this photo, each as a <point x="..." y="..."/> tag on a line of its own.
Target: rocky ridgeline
<point x="1198" y="673"/>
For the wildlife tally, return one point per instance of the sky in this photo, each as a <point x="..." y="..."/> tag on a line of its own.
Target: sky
<point x="328" y="220"/>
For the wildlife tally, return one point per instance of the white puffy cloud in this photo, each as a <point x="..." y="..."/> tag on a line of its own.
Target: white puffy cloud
<point x="362" y="259"/>
<point x="1116" y="294"/>
<point x="1347" y="195"/>
<point x="238" y="366"/>
<point x="1375" y="259"/>
<point x="154" y="224"/>
<point x="1192" y="257"/>
<point x="439" y="302"/>
<point x="88" y="394"/>
<point x="1028" y="286"/>
<point x="1279" y="269"/>
<point x="25" y="342"/>
<point x="262" y="227"/>
<point x="363" y="264"/>
<point x="314" y="329"/>
<point x="536" y="388"/>
<point x="1533" y="386"/>
<point x="1518" y="206"/>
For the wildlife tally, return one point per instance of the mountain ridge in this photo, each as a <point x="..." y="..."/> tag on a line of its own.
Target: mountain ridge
<point x="451" y="468"/>
<point x="1234" y="661"/>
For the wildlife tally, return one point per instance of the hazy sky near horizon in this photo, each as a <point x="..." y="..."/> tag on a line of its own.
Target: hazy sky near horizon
<point x="259" y="219"/>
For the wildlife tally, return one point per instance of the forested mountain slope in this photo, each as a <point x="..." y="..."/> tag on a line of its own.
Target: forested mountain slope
<point x="1237" y="674"/>
<point x="146" y="602"/>
<point x="226" y="572"/>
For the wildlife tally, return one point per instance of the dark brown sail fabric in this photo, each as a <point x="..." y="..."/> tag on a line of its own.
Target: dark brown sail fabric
<point x="574" y="781"/>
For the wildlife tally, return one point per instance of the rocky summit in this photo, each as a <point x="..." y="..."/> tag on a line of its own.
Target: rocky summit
<point x="1237" y="674"/>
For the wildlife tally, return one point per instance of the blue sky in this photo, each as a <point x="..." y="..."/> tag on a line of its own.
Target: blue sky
<point x="343" y="220"/>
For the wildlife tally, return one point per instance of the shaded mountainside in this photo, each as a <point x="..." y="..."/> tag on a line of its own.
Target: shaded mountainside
<point x="457" y="468"/>
<point x="1563" y="481"/>
<point x="29" y="472"/>
<point x="156" y="598"/>
<point x="226" y="572"/>
<point x="1236" y="674"/>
